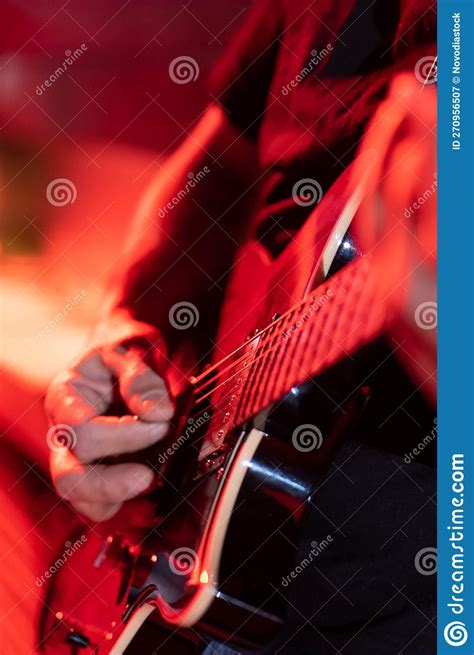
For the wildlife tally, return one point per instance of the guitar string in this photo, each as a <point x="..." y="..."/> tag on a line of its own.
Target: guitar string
<point x="206" y="378"/>
<point x="278" y="321"/>
<point x="259" y="334"/>
<point x="236" y="373"/>
<point x="272" y="342"/>
<point x="221" y="401"/>
<point x="215" y="368"/>
<point x="278" y="344"/>
<point x="294" y="361"/>
<point x="338" y="279"/>
<point x="220" y="405"/>
<point x="269" y="367"/>
<point x="241" y="370"/>
<point x="260" y="368"/>
<point x="325" y="334"/>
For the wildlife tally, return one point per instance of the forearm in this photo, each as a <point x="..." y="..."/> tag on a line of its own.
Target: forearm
<point x="187" y="228"/>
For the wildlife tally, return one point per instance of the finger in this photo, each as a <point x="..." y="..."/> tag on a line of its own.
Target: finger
<point x="97" y="511"/>
<point x="99" y="484"/>
<point x="144" y="391"/>
<point x="80" y="394"/>
<point x="137" y="513"/>
<point x="104" y="436"/>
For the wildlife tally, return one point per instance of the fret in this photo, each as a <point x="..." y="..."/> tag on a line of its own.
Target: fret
<point x="302" y="333"/>
<point x="329" y="332"/>
<point x="226" y="395"/>
<point x="260" y="367"/>
<point x="344" y="324"/>
<point x="289" y="340"/>
<point x="247" y="389"/>
<point x="272" y="370"/>
<point x="287" y="344"/>
<point x="271" y="362"/>
<point x="327" y="339"/>
<point x="335" y="321"/>
<point x="269" y="358"/>
<point x="334" y="331"/>
<point x="307" y="333"/>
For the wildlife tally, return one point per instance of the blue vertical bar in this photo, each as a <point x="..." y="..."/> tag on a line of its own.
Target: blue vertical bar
<point x="456" y="327"/>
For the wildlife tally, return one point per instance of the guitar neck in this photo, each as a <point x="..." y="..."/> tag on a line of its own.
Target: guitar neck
<point x="334" y="322"/>
<point x="341" y="316"/>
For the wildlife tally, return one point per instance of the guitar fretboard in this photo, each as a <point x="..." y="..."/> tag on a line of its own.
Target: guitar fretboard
<point x="331" y="324"/>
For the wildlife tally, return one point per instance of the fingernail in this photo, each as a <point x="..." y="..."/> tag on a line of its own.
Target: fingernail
<point x="159" y="430"/>
<point x="155" y="407"/>
<point x="150" y="402"/>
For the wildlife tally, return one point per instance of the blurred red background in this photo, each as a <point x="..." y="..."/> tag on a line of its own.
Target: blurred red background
<point x="104" y="124"/>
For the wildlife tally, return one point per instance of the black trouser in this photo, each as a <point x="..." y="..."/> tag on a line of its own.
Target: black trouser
<point x="371" y="590"/>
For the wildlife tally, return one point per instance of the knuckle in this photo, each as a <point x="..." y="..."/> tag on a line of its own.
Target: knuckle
<point x="52" y="393"/>
<point x="168" y="407"/>
<point x="84" y="440"/>
<point x="57" y="395"/>
<point x="127" y="380"/>
<point x="63" y="486"/>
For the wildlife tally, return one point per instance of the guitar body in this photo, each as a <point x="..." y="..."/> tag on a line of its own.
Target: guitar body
<point x="256" y="434"/>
